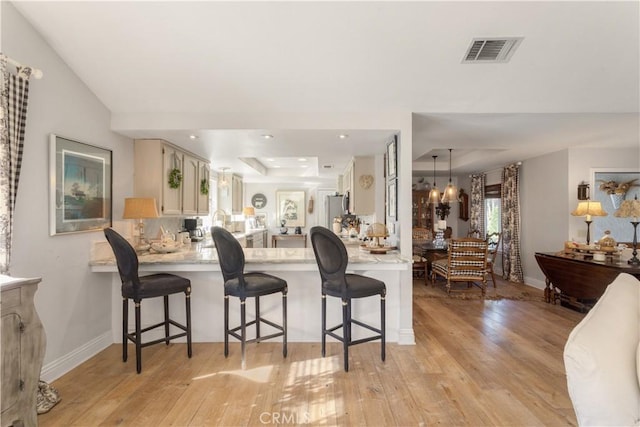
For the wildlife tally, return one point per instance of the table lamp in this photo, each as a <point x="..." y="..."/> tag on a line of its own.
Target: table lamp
<point x="140" y="208"/>
<point x="588" y="209"/>
<point x="249" y="213"/>
<point x="631" y="209"/>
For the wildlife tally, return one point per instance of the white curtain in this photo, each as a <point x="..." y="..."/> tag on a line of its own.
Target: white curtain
<point x="14" y="91"/>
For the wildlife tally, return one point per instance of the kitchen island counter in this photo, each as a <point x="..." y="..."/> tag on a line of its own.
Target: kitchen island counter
<point x="199" y="263"/>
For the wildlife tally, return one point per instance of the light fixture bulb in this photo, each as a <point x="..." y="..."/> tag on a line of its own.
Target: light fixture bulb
<point x="434" y="194"/>
<point x="450" y="194"/>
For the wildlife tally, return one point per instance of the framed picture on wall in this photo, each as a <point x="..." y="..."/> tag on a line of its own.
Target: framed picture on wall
<point x="392" y="207"/>
<point x="80" y="186"/>
<point x="391" y="158"/>
<point x="261" y="219"/>
<point x="290" y="207"/>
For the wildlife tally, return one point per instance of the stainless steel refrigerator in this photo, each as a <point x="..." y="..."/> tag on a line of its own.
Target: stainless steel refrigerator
<point x="333" y="208"/>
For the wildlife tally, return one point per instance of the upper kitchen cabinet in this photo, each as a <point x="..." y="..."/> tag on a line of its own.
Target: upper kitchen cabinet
<point x="358" y="181"/>
<point x="204" y="178"/>
<point x="230" y="194"/>
<point x="191" y="186"/>
<point x="168" y="174"/>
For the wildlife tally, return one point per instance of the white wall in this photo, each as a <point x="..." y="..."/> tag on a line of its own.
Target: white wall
<point x="581" y="163"/>
<point x="543" y="213"/>
<point x="549" y="193"/>
<point x="73" y="304"/>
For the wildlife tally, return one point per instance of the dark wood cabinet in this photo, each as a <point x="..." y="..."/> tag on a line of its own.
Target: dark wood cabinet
<point x="464" y="205"/>
<point x="422" y="213"/>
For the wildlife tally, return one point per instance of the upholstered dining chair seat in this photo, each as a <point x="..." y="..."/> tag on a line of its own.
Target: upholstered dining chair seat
<point x="156" y="285"/>
<point x="358" y="286"/>
<point x="255" y="284"/>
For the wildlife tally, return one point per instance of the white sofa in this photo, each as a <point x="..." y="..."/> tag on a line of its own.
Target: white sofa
<point x="601" y="358"/>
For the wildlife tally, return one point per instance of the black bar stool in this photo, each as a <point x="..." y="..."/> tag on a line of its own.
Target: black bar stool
<point x="243" y="286"/>
<point x="331" y="256"/>
<point x="139" y="288"/>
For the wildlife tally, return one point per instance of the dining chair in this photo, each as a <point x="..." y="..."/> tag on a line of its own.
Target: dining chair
<point x="493" y="244"/>
<point x="332" y="259"/>
<point x="137" y="288"/>
<point x="243" y="285"/>
<point x="466" y="262"/>
<point x="420" y="236"/>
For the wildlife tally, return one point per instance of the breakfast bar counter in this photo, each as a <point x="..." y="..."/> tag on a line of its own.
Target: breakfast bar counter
<point x="199" y="263"/>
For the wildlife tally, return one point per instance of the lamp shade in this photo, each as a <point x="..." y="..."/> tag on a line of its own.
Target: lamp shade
<point x="450" y="194"/>
<point x="589" y="208"/>
<point x="629" y="209"/>
<point x="138" y="208"/>
<point x="249" y="211"/>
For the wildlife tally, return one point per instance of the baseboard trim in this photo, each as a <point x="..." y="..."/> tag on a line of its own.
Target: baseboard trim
<point x="57" y="368"/>
<point x="406" y="337"/>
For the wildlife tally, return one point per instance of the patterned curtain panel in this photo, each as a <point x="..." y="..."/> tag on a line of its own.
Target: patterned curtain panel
<point x="14" y="91"/>
<point x="476" y="208"/>
<point x="511" y="261"/>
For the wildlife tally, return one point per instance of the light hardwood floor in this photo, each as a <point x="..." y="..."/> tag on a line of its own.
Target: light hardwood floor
<point x="475" y="363"/>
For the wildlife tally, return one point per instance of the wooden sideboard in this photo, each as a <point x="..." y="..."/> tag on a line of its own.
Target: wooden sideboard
<point x="23" y="346"/>
<point x="577" y="281"/>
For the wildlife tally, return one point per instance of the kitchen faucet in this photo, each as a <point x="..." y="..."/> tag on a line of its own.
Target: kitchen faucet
<point x="224" y="217"/>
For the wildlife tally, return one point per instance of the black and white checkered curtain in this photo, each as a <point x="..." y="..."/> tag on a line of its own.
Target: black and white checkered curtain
<point x="511" y="260"/>
<point x="14" y="92"/>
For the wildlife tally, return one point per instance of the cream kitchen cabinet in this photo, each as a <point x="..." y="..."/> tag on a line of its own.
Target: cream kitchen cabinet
<point x="358" y="180"/>
<point x="204" y="179"/>
<point x="23" y="348"/>
<point x="230" y="195"/>
<point x="154" y="162"/>
<point x="190" y="185"/>
<point x="236" y="194"/>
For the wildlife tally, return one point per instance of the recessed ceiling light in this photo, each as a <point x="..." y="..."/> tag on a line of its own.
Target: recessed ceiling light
<point x="270" y="160"/>
<point x="302" y="159"/>
<point x="266" y="136"/>
<point x="304" y="166"/>
<point x="343" y="136"/>
<point x="193" y="136"/>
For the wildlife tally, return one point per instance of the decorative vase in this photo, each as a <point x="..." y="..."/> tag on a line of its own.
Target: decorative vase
<point x="616" y="199"/>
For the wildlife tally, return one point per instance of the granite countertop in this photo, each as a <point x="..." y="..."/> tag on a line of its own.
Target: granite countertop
<point x="204" y="253"/>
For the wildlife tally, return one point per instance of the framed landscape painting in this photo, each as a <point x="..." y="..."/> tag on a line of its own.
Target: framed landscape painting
<point x="80" y="186"/>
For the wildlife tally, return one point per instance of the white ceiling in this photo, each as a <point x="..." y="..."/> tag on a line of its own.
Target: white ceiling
<point x="574" y="79"/>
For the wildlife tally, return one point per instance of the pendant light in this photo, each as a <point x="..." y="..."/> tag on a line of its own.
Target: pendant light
<point x="222" y="182"/>
<point x="450" y="194"/>
<point x="434" y="194"/>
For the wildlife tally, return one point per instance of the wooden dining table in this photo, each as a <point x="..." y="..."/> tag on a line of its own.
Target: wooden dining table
<point x="430" y="252"/>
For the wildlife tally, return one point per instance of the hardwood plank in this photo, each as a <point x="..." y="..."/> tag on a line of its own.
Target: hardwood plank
<point x="474" y="363"/>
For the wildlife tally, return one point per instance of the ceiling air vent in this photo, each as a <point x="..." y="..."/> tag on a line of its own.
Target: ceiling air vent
<point x="491" y="50"/>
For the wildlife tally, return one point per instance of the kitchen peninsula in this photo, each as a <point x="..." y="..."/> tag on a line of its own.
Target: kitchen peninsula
<point x="199" y="263"/>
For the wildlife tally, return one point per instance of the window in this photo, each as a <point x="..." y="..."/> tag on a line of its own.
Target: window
<point x="492" y="209"/>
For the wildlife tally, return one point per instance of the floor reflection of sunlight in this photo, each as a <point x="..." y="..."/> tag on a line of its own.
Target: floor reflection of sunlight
<point x="259" y="375"/>
<point x="308" y="389"/>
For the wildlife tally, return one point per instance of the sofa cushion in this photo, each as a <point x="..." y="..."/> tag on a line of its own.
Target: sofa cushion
<point x="600" y="358"/>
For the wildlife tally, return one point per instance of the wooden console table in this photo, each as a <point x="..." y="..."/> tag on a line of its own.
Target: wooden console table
<point x="288" y="237"/>
<point x="23" y="347"/>
<point x="580" y="281"/>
